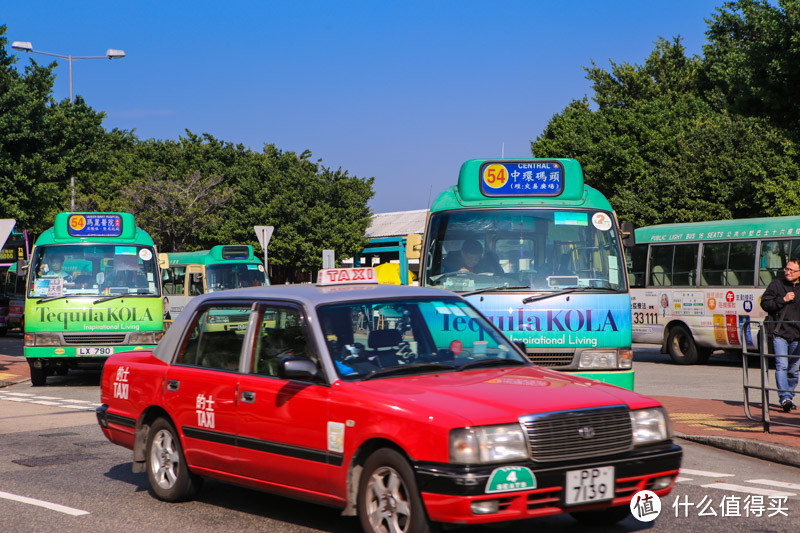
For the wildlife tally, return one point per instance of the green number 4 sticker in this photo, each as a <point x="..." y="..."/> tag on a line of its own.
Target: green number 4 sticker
<point x="510" y="478"/>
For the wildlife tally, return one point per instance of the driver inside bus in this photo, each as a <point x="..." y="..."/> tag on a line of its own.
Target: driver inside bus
<point x="471" y="259"/>
<point x="55" y="268"/>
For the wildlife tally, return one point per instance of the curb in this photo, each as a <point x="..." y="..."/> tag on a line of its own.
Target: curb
<point x="4" y="384"/>
<point x="776" y="453"/>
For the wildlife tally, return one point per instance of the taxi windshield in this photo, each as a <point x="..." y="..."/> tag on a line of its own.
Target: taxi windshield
<point x="93" y="270"/>
<point x="411" y="336"/>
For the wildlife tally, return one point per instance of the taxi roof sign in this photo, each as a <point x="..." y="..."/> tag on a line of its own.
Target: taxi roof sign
<point x="347" y="276"/>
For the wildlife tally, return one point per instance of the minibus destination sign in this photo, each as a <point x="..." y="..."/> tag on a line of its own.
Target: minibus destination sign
<point x="504" y="178"/>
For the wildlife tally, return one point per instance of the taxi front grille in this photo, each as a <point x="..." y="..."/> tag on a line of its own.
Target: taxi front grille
<point x="569" y="435"/>
<point x="551" y="359"/>
<point x="96" y="338"/>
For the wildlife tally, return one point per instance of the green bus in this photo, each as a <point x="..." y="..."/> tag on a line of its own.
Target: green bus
<point x="694" y="285"/>
<point x="93" y="289"/>
<point x="189" y="274"/>
<point x="541" y="254"/>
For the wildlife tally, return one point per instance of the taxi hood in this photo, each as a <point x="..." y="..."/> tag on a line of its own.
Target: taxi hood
<point x="494" y="396"/>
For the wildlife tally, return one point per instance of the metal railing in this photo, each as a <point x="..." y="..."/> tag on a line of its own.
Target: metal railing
<point x="764" y="386"/>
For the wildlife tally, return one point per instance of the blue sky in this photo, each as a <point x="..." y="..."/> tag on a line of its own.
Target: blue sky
<point x="404" y="91"/>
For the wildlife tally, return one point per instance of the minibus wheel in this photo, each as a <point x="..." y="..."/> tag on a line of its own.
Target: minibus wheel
<point x="681" y="346"/>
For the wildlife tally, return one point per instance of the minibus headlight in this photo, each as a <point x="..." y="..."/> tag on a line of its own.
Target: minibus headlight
<point x="488" y="444"/>
<point x="650" y="425"/>
<point x="42" y="339"/>
<point x="598" y="359"/>
<point x="148" y="337"/>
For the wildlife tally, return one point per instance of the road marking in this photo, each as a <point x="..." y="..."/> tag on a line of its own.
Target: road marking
<point x="704" y="473"/>
<point x="680" y="479"/>
<point x="76" y="401"/>
<point x="81" y="407"/>
<point x="42" y="503"/>
<point x="749" y="490"/>
<point x="46" y="398"/>
<point x="781" y="484"/>
<point x="42" y="402"/>
<point x="17" y="394"/>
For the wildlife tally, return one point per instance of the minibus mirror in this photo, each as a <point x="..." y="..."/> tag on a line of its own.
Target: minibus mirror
<point x="22" y="265"/>
<point x="627" y="230"/>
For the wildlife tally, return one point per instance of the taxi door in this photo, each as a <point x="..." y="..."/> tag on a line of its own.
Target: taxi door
<point x="200" y="388"/>
<point x="282" y="424"/>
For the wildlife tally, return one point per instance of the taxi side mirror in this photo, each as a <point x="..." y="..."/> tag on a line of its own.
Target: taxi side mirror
<point x="299" y="368"/>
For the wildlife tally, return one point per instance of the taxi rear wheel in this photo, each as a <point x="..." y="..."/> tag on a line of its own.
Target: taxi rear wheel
<point x="604" y="517"/>
<point x="388" y="498"/>
<point x="169" y="477"/>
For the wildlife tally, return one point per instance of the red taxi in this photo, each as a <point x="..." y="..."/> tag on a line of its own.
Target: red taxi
<point x="402" y="405"/>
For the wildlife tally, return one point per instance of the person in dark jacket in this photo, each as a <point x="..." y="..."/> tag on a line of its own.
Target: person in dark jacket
<point x="782" y="303"/>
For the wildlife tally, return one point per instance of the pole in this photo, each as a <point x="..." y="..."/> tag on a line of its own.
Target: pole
<point x="71" y="101"/>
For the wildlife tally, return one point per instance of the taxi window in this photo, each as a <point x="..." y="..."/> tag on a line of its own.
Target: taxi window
<point x="215" y="339"/>
<point x="280" y="334"/>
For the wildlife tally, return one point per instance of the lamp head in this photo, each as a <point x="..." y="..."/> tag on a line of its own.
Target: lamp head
<point x="22" y="46"/>
<point x="115" y="54"/>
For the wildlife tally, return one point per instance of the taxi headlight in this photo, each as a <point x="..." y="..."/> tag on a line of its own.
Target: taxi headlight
<point x="650" y="425"/>
<point x="488" y="444"/>
<point x="42" y="339"/>
<point x="598" y="359"/>
<point x="148" y="337"/>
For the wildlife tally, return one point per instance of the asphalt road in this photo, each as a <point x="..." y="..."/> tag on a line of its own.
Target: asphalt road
<point x="55" y="454"/>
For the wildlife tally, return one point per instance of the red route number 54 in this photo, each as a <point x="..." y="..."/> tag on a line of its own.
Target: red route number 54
<point x="495" y="176"/>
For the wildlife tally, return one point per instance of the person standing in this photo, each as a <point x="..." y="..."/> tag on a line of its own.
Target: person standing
<point x="782" y="303"/>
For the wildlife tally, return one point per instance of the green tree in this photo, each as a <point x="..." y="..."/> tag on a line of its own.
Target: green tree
<point x="662" y="153"/>
<point x="42" y="143"/>
<point x="752" y="60"/>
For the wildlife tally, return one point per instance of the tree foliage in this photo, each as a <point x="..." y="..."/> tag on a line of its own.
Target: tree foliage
<point x="662" y="151"/>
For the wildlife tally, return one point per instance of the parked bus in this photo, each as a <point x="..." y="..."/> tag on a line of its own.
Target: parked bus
<point x="693" y="285"/>
<point x="189" y="274"/>
<point x="547" y="263"/>
<point x="93" y="290"/>
<point x="12" y="299"/>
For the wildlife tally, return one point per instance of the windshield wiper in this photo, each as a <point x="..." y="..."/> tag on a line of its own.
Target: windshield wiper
<point x="547" y="295"/>
<point x="405" y="369"/>
<point x="51" y="298"/>
<point x="107" y="298"/>
<point x="494" y="361"/>
<point x="497" y="288"/>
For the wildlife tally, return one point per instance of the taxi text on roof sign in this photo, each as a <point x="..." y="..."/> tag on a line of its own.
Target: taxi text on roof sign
<point x="344" y="276"/>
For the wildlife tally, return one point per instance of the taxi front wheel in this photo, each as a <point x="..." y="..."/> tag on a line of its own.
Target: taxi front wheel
<point x="388" y="498"/>
<point x="169" y="477"/>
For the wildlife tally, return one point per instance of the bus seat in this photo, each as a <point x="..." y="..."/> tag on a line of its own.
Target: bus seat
<point x="766" y="275"/>
<point x="659" y="276"/>
<point x="729" y="278"/>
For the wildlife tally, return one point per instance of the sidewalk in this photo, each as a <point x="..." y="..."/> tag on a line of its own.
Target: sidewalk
<point x="718" y="423"/>
<point x="723" y="424"/>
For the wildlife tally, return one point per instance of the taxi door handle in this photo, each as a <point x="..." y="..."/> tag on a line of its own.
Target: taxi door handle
<point x="173" y="385"/>
<point x="248" y="396"/>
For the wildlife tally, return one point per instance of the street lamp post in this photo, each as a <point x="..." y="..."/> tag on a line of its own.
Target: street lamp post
<point x="25" y="46"/>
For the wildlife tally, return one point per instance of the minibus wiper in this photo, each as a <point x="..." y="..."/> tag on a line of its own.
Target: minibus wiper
<point x="497" y="288"/>
<point x="51" y="298"/>
<point x="547" y="295"/>
<point x="107" y="298"/>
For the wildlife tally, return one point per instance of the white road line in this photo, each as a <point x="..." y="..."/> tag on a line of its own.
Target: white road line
<point x="76" y="401"/>
<point x="42" y="503"/>
<point x="16" y="399"/>
<point x="781" y="484"/>
<point x="749" y="490"/>
<point x="47" y="398"/>
<point x="81" y="407"/>
<point x="42" y="402"/>
<point x="704" y="473"/>
<point x="680" y="479"/>
<point x="18" y="394"/>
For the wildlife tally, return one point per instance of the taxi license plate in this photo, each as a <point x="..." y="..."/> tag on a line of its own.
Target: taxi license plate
<point x="96" y="350"/>
<point x="590" y="485"/>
